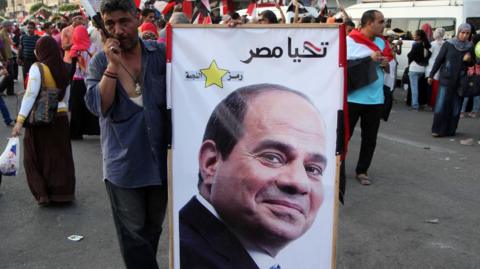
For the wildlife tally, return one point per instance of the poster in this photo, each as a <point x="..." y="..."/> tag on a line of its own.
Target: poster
<point x="254" y="114"/>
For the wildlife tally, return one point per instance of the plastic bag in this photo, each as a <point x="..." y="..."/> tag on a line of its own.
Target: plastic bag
<point x="10" y="158"/>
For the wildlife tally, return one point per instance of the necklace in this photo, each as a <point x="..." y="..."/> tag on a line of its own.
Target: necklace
<point x="138" y="88"/>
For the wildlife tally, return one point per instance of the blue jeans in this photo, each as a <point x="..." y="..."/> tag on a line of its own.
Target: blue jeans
<point x="476" y="104"/>
<point x="414" y="82"/>
<point x="4" y="111"/>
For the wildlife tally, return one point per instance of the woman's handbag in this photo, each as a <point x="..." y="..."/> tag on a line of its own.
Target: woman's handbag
<point x="469" y="84"/>
<point x="45" y="106"/>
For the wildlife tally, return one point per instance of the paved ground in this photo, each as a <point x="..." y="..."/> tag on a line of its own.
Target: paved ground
<point x="416" y="178"/>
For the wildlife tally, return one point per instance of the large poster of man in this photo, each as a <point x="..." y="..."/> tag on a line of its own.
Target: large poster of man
<point x="255" y="114"/>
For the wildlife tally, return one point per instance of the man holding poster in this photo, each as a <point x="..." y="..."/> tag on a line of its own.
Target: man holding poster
<point x="127" y="90"/>
<point x="261" y="166"/>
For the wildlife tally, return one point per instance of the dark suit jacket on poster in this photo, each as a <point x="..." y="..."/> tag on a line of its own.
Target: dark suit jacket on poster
<point x="206" y="243"/>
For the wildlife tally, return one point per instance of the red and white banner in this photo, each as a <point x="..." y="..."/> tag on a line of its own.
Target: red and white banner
<point x="255" y="145"/>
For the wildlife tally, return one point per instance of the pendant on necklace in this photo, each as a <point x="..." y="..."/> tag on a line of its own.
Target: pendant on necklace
<point x="138" y="89"/>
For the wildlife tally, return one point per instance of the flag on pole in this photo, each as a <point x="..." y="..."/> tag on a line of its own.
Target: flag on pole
<point x="206" y="3"/>
<point x="223" y="7"/>
<point x="202" y="19"/>
<point x="188" y="8"/>
<point x="251" y="10"/>
<point x="168" y="7"/>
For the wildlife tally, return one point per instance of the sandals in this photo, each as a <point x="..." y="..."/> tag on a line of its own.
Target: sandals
<point x="363" y="179"/>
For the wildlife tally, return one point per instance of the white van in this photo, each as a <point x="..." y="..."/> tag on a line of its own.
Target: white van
<point x="409" y="16"/>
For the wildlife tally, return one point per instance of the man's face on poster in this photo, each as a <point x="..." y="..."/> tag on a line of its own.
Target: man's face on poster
<point x="270" y="186"/>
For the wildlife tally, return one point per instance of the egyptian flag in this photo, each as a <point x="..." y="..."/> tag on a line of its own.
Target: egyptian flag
<point x="324" y="9"/>
<point x="359" y="38"/>
<point x="206" y="4"/>
<point x="140" y="4"/>
<point x="223" y="7"/>
<point x="188" y="8"/>
<point x="252" y="9"/>
<point x="290" y="14"/>
<point x="169" y="7"/>
<point x="202" y="19"/>
<point x="359" y="49"/>
<point x="202" y="13"/>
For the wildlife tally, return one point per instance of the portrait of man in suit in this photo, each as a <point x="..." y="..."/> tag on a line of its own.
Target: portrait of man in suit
<point x="261" y="166"/>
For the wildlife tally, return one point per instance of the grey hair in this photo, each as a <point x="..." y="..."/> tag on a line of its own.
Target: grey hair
<point x="179" y="18"/>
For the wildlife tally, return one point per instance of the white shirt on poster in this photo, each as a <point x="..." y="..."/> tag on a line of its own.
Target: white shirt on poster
<point x="262" y="259"/>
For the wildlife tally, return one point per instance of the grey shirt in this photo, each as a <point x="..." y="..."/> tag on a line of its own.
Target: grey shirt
<point x="134" y="139"/>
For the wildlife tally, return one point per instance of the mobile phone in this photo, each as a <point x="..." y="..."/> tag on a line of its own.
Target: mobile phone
<point x="101" y="26"/>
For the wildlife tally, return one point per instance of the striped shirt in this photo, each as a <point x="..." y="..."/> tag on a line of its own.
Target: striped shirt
<point x="27" y="43"/>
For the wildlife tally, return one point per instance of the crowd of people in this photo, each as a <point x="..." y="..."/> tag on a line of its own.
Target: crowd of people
<point x="436" y="70"/>
<point x="109" y="87"/>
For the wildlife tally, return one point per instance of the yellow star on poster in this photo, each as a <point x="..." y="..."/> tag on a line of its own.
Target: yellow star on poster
<point x="213" y="75"/>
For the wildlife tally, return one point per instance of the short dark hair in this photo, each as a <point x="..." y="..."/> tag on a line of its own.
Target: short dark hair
<point x="236" y="16"/>
<point x="31" y="23"/>
<point x="147" y="11"/>
<point x="225" y="126"/>
<point x="368" y="16"/>
<point x="75" y="14"/>
<point x="350" y="23"/>
<point x="46" y="25"/>
<point x="269" y="15"/>
<point x="115" y="5"/>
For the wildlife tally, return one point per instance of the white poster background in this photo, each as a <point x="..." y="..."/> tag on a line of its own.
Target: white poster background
<point x="321" y="79"/>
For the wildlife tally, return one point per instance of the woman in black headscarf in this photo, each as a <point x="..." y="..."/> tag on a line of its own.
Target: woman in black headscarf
<point x="47" y="150"/>
<point x="454" y="57"/>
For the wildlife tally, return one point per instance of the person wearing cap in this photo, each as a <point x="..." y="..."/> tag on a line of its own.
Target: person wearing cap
<point x="148" y="31"/>
<point x="7" y="55"/>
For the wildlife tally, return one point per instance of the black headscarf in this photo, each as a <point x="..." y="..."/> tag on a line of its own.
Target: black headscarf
<point x="48" y="53"/>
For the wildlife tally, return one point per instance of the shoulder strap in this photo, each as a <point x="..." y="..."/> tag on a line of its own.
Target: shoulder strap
<point x="42" y="77"/>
